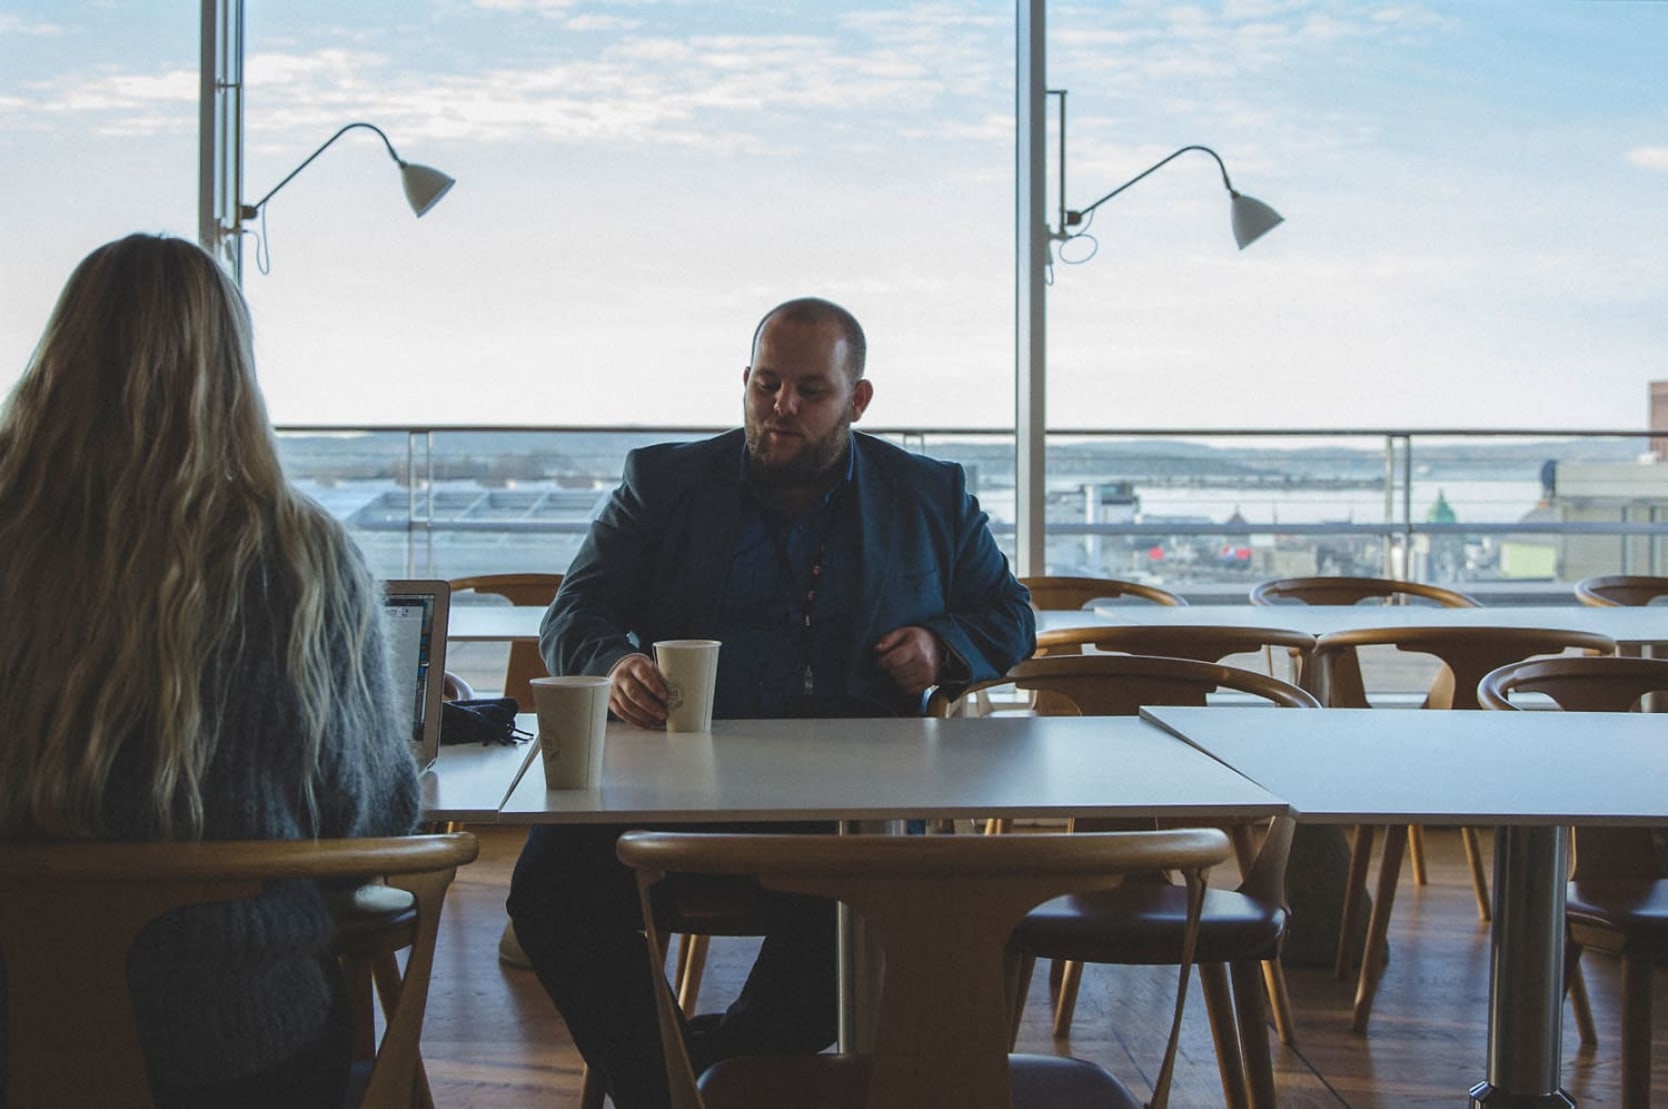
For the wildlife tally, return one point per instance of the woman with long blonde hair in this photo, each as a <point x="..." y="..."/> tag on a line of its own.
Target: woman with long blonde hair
<point x="189" y="649"/>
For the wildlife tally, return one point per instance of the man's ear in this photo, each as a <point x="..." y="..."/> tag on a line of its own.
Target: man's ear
<point x="746" y="372"/>
<point x="861" y="394"/>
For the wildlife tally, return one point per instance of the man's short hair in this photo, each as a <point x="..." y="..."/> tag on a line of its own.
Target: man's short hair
<point x="815" y="310"/>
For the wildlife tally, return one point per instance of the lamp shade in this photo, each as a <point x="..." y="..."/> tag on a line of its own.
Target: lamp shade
<point x="425" y="185"/>
<point x="1252" y="219"/>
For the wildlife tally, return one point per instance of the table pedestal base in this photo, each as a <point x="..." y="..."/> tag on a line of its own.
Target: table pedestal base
<point x="1486" y="1096"/>
<point x="1526" y="975"/>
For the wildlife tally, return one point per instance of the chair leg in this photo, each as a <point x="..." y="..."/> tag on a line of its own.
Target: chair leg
<point x="692" y="965"/>
<point x="1416" y="853"/>
<point x="1360" y="857"/>
<point x="1378" y="925"/>
<point x="1219" y="1006"/>
<point x="1479" y="880"/>
<point x="1636" y="1031"/>
<point x="1071" y="976"/>
<point x="1252" y="1018"/>
<point x="591" y="1092"/>
<point x="1575" y="984"/>
<point x="1020" y="971"/>
<point x="357" y="973"/>
<point x="1280" y="1001"/>
<point x="385" y="969"/>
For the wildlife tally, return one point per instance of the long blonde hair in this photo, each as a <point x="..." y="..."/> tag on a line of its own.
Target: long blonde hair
<point x="140" y="497"/>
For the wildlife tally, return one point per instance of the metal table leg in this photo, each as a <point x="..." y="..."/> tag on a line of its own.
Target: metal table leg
<point x="1526" y="975"/>
<point x="859" y="961"/>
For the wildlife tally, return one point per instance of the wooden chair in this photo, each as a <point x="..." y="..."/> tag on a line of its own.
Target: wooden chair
<point x="1346" y="670"/>
<point x="69" y="912"/>
<point x="1350" y="591"/>
<point x="1205" y="642"/>
<point x="1617" y="900"/>
<point x="1238" y="929"/>
<point x="1065" y="593"/>
<point x="1465" y="655"/>
<point x="520" y="589"/>
<point x="1616" y="590"/>
<point x="941" y="909"/>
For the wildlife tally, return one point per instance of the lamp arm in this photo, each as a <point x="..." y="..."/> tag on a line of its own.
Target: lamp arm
<point x="1074" y="218"/>
<point x="248" y="211"/>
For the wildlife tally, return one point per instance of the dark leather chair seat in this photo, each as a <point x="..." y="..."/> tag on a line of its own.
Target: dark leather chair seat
<point x="1634" y="909"/>
<point x="1143" y="923"/>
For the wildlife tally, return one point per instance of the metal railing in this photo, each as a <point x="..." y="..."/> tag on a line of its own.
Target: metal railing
<point x="1194" y="508"/>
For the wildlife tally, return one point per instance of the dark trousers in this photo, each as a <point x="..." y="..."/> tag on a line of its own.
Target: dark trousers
<point x="577" y="915"/>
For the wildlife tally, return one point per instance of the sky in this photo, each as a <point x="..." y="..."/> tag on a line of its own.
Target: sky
<point x="1475" y="230"/>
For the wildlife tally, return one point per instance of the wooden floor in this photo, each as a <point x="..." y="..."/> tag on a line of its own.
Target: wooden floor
<point x="493" y="1039"/>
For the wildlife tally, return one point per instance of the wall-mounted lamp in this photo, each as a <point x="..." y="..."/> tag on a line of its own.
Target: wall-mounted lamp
<point x="424" y="186"/>
<point x="1251" y="217"/>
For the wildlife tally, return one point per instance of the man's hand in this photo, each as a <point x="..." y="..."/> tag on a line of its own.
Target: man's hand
<point x="912" y="656"/>
<point x="638" y="695"/>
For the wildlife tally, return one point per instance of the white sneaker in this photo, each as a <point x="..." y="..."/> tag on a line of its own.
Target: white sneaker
<point x="509" y="949"/>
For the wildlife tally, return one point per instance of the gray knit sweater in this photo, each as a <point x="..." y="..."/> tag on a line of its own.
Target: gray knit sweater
<point x="230" y="989"/>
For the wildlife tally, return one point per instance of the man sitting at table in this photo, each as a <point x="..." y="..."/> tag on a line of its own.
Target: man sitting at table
<point x="843" y="576"/>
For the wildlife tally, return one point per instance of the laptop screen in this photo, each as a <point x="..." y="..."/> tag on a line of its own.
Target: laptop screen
<point x="415" y="614"/>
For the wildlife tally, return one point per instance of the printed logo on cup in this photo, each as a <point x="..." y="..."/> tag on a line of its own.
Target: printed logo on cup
<point x="674" y="694"/>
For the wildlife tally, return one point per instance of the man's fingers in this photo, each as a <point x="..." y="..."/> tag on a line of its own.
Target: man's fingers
<point x="639" y="692"/>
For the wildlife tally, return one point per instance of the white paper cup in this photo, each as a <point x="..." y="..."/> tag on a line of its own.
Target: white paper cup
<point x="573" y="719"/>
<point x="690" y="667"/>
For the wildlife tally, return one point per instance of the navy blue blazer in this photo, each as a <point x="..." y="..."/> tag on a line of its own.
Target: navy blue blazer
<point x="656" y="559"/>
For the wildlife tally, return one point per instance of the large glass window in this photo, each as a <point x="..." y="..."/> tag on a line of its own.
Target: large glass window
<point x="1473" y="195"/>
<point x="98" y="138"/>
<point x="637" y="183"/>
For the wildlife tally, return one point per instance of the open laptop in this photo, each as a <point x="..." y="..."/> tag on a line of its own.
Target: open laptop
<point x="416" y="613"/>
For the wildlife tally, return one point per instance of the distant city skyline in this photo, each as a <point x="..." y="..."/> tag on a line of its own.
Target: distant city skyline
<point x="1473" y="191"/>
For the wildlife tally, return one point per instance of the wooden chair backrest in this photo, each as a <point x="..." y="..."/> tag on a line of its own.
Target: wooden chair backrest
<point x="1203" y="642"/>
<point x="1615" y="590"/>
<point x="941" y="909"/>
<point x="1590" y="684"/>
<point x="1067" y="593"/>
<point x="1581" y="683"/>
<point x="1119" y="685"/>
<point x="1349" y="591"/>
<point x="69" y="913"/>
<point x="524" y="663"/>
<point x="1466" y="654"/>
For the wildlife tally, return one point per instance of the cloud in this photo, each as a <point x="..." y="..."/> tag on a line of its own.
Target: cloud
<point x="1649" y="157"/>
<point x="726" y="91"/>
<point x="542" y="7"/>
<point x="118" y="104"/>
<point x="602" y="23"/>
<point x="18" y="25"/>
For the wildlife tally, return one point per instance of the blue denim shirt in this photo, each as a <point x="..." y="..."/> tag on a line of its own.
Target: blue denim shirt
<point x="767" y="646"/>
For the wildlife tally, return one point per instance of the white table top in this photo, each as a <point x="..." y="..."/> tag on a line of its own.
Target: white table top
<point x="1406" y="766"/>
<point x="1626" y="625"/>
<point x="896" y="768"/>
<point x="469" y="782"/>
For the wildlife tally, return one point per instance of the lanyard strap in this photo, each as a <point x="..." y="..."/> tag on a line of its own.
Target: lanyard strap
<point x="813" y="581"/>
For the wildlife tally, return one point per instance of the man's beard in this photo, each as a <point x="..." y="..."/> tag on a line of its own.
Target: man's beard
<point x="815" y="458"/>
